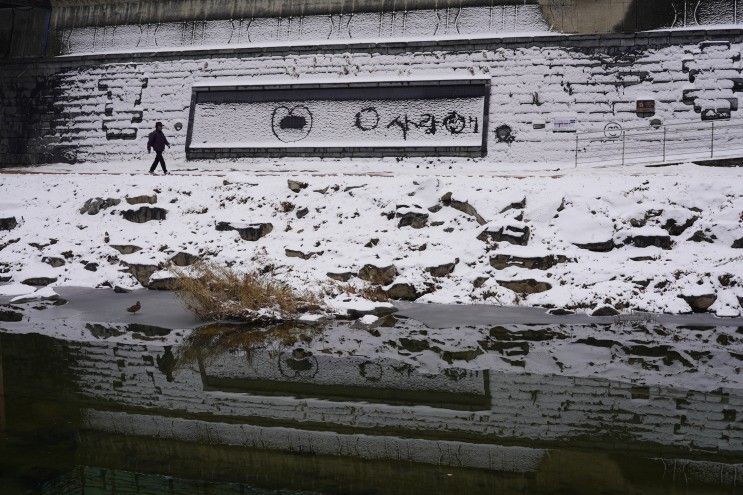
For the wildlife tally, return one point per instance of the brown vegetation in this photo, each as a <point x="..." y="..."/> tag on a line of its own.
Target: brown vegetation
<point x="214" y="292"/>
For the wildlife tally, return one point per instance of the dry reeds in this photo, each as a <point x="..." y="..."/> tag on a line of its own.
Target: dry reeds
<point x="213" y="292"/>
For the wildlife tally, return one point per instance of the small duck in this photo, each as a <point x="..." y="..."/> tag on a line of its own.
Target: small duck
<point x="135" y="308"/>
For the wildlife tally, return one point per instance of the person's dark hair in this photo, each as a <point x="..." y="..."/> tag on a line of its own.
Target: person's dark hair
<point x="158" y="124"/>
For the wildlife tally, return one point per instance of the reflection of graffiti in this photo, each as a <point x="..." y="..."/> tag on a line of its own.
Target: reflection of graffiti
<point x="289" y="125"/>
<point x="453" y="122"/>
<point x="367" y="119"/>
<point x="299" y="363"/>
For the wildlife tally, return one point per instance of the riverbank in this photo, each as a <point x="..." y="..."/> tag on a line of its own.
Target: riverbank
<point x="598" y="241"/>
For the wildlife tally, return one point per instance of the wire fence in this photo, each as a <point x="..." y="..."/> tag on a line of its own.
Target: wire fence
<point x="663" y="144"/>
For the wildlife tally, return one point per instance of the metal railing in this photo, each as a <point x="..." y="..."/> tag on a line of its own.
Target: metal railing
<point x="657" y="145"/>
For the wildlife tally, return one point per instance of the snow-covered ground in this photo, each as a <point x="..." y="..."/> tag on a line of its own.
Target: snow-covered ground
<point x="650" y="239"/>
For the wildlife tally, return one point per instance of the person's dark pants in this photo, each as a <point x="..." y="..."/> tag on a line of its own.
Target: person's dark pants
<point x="158" y="159"/>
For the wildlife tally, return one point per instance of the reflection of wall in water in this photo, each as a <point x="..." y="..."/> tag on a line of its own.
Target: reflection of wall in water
<point x="524" y="408"/>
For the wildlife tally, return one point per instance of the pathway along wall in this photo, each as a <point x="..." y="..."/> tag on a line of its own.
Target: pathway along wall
<point x="101" y="107"/>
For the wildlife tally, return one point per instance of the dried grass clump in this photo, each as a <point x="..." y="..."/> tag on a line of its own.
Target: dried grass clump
<point x="370" y="292"/>
<point x="214" y="292"/>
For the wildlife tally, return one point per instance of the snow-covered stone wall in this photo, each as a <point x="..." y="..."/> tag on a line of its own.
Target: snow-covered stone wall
<point x="100" y="108"/>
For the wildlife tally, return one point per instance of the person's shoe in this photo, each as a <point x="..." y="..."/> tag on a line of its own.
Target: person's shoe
<point x="152" y="173"/>
<point x="165" y="173"/>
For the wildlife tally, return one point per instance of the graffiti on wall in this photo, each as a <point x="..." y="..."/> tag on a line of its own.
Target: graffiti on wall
<point x="396" y="116"/>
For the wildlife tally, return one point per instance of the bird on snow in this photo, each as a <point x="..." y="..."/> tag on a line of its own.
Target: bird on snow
<point x="135" y="308"/>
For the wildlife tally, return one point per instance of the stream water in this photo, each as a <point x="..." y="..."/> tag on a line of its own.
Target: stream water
<point x="235" y="411"/>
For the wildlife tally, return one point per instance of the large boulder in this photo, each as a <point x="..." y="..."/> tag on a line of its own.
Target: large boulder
<point x="738" y="243"/>
<point x="442" y="270"/>
<point x="8" y="223"/>
<point x="414" y="219"/>
<point x="501" y="261"/>
<point x="295" y="253"/>
<point x="184" y="259"/>
<point x="144" y="214"/>
<point x="605" y="310"/>
<point x="126" y="248"/>
<point x="677" y="227"/>
<point x="380" y="275"/>
<point x="643" y="241"/>
<point x="296" y="185"/>
<point x="9" y="315"/>
<point x="403" y="292"/>
<point x="142" y="199"/>
<point x="462" y="206"/>
<point x="142" y="272"/>
<point x="514" y="234"/>
<point x="39" y="281"/>
<point x="526" y="286"/>
<point x="94" y="205"/>
<point x="699" y="303"/>
<point x="598" y="246"/>
<point x="247" y="231"/>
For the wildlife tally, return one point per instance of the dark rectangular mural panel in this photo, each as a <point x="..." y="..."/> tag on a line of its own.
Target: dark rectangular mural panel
<point x="363" y="118"/>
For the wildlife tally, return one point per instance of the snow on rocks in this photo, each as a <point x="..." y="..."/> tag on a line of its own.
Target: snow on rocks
<point x="144" y="214"/>
<point x="8" y="223"/>
<point x="556" y="241"/>
<point x="247" y="231"/>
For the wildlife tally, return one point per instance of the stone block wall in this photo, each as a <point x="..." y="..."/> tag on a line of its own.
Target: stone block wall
<point x="101" y="107"/>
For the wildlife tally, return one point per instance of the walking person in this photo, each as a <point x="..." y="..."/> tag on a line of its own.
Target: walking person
<point x="157" y="141"/>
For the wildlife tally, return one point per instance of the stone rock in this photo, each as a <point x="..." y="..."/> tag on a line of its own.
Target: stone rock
<point x="501" y="261"/>
<point x="372" y="243"/>
<point x="91" y="267"/>
<point x="701" y="236"/>
<point x="121" y="290"/>
<point x="479" y="282"/>
<point x="738" y="243"/>
<point x="8" y="315"/>
<point x="442" y="270"/>
<point x="184" y="259"/>
<point x="380" y="311"/>
<point x="512" y="233"/>
<point x="403" y="292"/>
<point x="163" y="283"/>
<point x="248" y="232"/>
<point x="8" y="223"/>
<point x="643" y="241"/>
<point x="519" y="205"/>
<point x="605" y="310"/>
<point x="413" y="219"/>
<point x="462" y="206"/>
<point x="53" y="261"/>
<point x="302" y="212"/>
<point x="597" y="247"/>
<point x="144" y="214"/>
<point x="699" y="303"/>
<point x="384" y="275"/>
<point x="296" y="185"/>
<point x="143" y="199"/>
<point x="461" y="355"/>
<point x="141" y="272"/>
<point x="293" y="253"/>
<point x="94" y="205"/>
<point x="39" y="281"/>
<point x="126" y="248"/>
<point x="675" y="229"/>
<point x="340" y="277"/>
<point x="413" y="345"/>
<point x="8" y="243"/>
<point x="560" y="312"/>
<point x="526" y="286"/>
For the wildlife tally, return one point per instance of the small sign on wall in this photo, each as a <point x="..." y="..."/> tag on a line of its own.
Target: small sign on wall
<point x="645" y="108"/>
<point x="565" y="123"/>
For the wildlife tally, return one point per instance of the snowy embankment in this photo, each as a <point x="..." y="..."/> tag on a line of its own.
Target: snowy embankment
<point x="661" y="240"/>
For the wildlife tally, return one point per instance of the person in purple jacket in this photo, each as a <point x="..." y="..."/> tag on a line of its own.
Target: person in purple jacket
<point x="157" y="141"/>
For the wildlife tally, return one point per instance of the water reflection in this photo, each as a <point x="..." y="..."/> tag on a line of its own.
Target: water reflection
<point x="236" y="410"/>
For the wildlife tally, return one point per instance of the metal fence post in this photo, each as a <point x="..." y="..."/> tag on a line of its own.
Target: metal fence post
<point x="712" y="141"/>
<point x="624" y="139"/>
<point x="664" y="143"/>
<point x="576" y="150"/>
